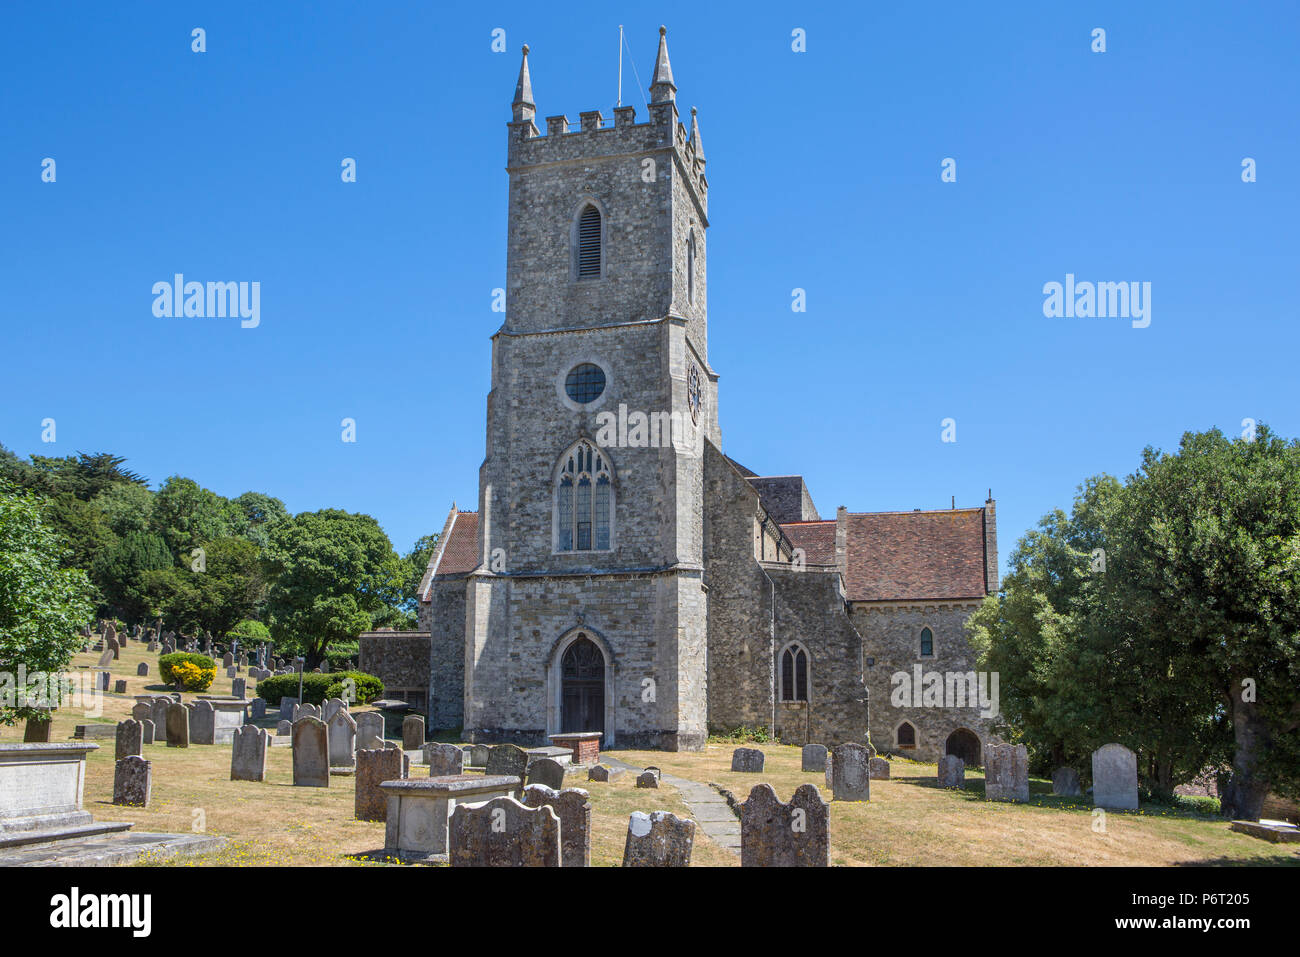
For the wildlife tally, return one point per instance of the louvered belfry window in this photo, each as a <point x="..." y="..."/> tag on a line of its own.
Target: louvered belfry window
<point x="589" y="243"/>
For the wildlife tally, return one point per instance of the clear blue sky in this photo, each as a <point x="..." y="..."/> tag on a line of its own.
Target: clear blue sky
<point x="924" y="298"/>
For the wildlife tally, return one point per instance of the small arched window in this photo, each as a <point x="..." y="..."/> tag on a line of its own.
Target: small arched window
<point x="690" y="268"/>
<point x="588" y="245"/>
<point x="927" y="643"/>
<point x="906" y="735"/>
<point x="794" y="674"/>
<point x="584" y="500"/>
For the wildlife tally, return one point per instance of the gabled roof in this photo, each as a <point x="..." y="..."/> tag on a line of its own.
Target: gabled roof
<point x="817" y="539"/>
<point x="457" y="551"/>
<point x="893" y="556"/>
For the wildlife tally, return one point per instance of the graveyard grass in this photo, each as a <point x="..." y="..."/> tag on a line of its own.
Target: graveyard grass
<point x="909" y="820"/>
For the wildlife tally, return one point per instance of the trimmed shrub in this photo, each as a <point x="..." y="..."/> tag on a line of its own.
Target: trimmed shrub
<point x="192" y="677"/>
<point x="248" y="631"/>
<point x="316" y="688"/>
<point x="167" y="664"/>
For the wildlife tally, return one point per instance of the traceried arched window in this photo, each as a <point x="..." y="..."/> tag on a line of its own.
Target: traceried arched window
<point x="927" y="643"/>
<point x="690" y="267"/>
<point x="794" y="674"/>
<point x="587" y="252"/>
<point x="906" y="735"/>
<point x="584" y="500"/>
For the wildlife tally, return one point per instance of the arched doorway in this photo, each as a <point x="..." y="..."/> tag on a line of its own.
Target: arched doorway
<point x="964" y="744"/>
<point x="582" y="687"/>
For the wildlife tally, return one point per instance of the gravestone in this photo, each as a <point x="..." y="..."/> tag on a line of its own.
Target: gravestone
<point x="147" y="730"/>
<point x="132" y="781"/>
<point x="546" y="771"/>
<point x="142" y="670"/>
<point x="105" y="659"/>
<point x="773" y="834"/>
<point x="1114" y="778"/>
<point x="129" y="739"/>
<point x="1006" y="773"/>
<point x="238" y="687"/>
<point x="478" y="755"/>
<point x="230" y="673"/>
<point x="573" y="808"/>
<point x="749" y="760"/>
<point x="104" y="678"/>
<point x="1065" y="782"/>
<point x="507" y="759"/>
<point x="178" y="725"/>
<point x="257" y="709"/>
<point x="602" y="773"/>
<point x="203" y="722"/>
<point x="248" y="754"/>
<point x="38" y="731"/>
<point x="119" y="686"/>
<point x="374" y="767"/>
<point x="444" y="760"/>
<point x="160" y="705"/>
<point x="227" y="660"/>
<point x="878" y="768"/>
<point x="413" y="733"/>
<point x="142" y="711"/>
<point x="306" y="711"/>
<point x="370" y="730"/>
<point x="503" y="833"/>
<point x="284" y="728"/>
<point x="814" y="757"/>
<point x="112" y="644"/>
<point x="952" y="771"/>
<point x="287" y="705"/>
<point x="343" y="741"/>
<point x="658" y="839"/>
<point x="649" y="778"/>
<point x="850" y="773"/>
<point x="331" y="707"/>
<point x="311" y="765"/>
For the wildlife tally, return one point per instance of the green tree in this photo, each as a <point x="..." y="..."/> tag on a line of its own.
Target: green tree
<point x="259" y="513"/>
<point x="126" y="508"/>
<point x="230" y="587"/>
<point x="119" y="571"/>
<point x="185" y="514"/>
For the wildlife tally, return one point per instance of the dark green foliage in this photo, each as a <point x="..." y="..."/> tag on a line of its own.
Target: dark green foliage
<point x="317" y="688"/>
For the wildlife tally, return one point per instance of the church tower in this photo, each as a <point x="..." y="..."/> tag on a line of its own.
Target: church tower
<point x="587" y="611"/>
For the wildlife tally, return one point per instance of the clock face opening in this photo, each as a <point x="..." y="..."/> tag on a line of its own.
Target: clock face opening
<point x="694" y="393"/>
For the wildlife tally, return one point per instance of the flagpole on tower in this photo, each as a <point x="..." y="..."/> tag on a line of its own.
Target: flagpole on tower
<point x="620" y="64"/>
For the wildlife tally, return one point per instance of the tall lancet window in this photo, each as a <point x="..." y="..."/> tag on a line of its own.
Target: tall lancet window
<point x="690" y="267"/>
<point x="588" y="243"/>
<point x="584" y="500"/>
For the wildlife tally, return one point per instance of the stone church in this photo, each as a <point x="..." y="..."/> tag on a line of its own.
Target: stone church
<point x="621" y="573"/>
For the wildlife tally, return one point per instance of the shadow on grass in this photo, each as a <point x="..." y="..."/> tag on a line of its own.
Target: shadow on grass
<point x="1273" y="860"/>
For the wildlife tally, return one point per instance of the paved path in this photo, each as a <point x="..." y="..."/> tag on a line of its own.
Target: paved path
<point x="708" y="808"/>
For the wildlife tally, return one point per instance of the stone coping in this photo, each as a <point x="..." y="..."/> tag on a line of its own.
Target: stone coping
<point x="52" y="748"/>
<point x="454" y="785"/>
<point x="577" y="736"/>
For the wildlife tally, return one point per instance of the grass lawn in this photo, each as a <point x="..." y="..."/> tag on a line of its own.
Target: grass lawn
<point x="909" y="820"/>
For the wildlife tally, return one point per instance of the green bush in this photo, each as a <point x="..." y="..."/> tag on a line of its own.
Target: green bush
<point x="316" y="688"/>
<point x="167" y="662"/>
<point x="249" y="631"/>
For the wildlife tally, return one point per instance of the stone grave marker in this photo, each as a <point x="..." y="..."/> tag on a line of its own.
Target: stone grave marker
<point x="773" y="834"/>
<point x="548" y="772"/>
<point x="600" y="772"/>
<point x="257" y="709"/>
<point x="444" y="760"/>
<point x="1006" y="773"/>
<point x="142" y="670"/>
<point x="248" y="754"/>
<point x="284" y="728"/>
<point x="814" y="757"/>
<point x="1065" y="782"/>
<point x="142" y="711"/>
<point x="178" y="725"/>
<point x="238" y="687"/>
<point x="343" y="741"/>
<point x="478" y="755"/>
<point x="503" y="833"/>
<point x="119" y="686"/>
<point x="413" y="732"/>
<point x="331" y="707"/>
<point x="129" y="739"/>
<point x="649" y="778"/>
<point x="306" y="711"/>
<point x="374" y="767"/>
<point x="507" y="759"/>
<point x="878" y="768"/>
<point x="227" y="660"/>
<point x="658" y="839"/>
<point x="952" y="772"/>
<point x="148" y="730"/>
<point x="132" y="781"/>
<point x="105" y="659"/>
<point x="203" y="722"/>
<point x="160" y="705"/>
<point x="287" y="705"/>
<point x="1114" y="778"/>
<point x="370" y="730"/>
<point x="38" y="731"/>
<point x="111" y="645"/>
<point x="311" y="765"/>
<point x="573" y="808"/>
<point x="850" y="773"/>
<point x="749" y="760"/>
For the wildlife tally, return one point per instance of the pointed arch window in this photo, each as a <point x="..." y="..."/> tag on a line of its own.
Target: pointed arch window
<point x="588" y="251"/>
<point x="906" y="735"/>
<point x="584" y="500"/>
<point x="794" y="674"/>
<point x="927" y="643"/>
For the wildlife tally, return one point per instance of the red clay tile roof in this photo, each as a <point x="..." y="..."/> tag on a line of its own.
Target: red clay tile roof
<point x="817" y="539"/>
<point x="894" y="556"/>
<point x="461" y="553"/>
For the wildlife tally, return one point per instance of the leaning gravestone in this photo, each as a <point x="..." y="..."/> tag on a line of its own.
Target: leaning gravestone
<point x="548" y="772"/>
<point x="507" y="759"/>
<point x="749" y="760"/>
<point x="658" y="839"/>
<point x="850" y="773"/>
<point x="370" y="730"/>
<point x="573" y="809"/>
<point x="1006" y="772"/>
<point x="142" y="670"/>
<point x="111" y="644"/>
<point x="132" y="781"/>
<point x="814" y="757"/>
<point x="248" y="754"/>
<point x="952" y="771"/>
<point x="444" y="760"/>
<point x="1114" y="778"/>
<point x="203" y="723"/>
<point x="1065" y="782"/>
<point x="178" y="725"/>
<point x="343" y="741"/>
<point x="503" y="833"/>
<point x="413" y="733"/>
<point x="878" y="768"/>
<point x="148" y="733"/>
<point x="773" y="834"/>
<point x="311" y="765"/>
<point x="130" y="739"/>
<point x="105" y="659"/>
<point x="374" y="767"/>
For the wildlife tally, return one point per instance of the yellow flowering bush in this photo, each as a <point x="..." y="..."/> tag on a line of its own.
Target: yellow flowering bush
<point x="192" y="677"/>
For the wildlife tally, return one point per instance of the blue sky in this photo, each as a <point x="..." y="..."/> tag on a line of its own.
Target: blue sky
<point x="924" y="298"/>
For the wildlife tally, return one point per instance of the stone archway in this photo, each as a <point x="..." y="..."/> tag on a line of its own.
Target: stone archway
<point x="965" y="744"/>
<point x="582" y="687"/>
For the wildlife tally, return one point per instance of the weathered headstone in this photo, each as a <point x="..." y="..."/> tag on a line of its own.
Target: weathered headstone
<point x="203" y="722"/>
<point x="148" y="730"/>
<point x="952" y="771"/>
<point x="773" y="834"/>
<point x="119" y="686"/>
<point x="749" y="760"/>
<point x="142" y="711"/>
<point x="38" y="731"/>
<point x="878" y="768"/>
<point x="370" y="730"/>
<point x="129" y="739"/>
<point x="257" y="709"/>
<point x="287" y="705"/>
<point x="374" y="767"/>
<point x="600" y="772"/>
<point x="306" y="711"/>
<point x="503" y="833"/>
<point x="238" y="687"/>
<point x="444" y="760"/>
<point x="507" y="759"/>
<point x="573" y="808"/>
<point x="178" y="725"/>
<point x="814" y="757"/>
<point x="1006" y="772"/>
<point x="227" y="660"/>
<point x="546" y="771"/>
<point x="413" y="732"/>
<point x="284" y="728"/>
<point x="112" y="644"/>
<point x="132" y="781"/>
<point x="311" y="765"/>
<point x="1065" y="782"/>
<point x="331" y="707"/>
<point x="850" y="772"/>
<point x="248" y="754"/>
<point x="343" y="740"/>
<point x="231" y="672"/>
<point x="142" y="670"/>
<point x="160" y="705"/>
<point x="658" y="839"/>
<point x="649" y="778"/>
<point x="1114" y="778"/>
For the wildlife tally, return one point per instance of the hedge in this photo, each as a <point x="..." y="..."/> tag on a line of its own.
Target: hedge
<point x="317" y="688"/>
<point x="169" y="661"/>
